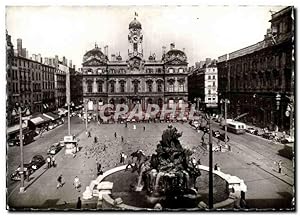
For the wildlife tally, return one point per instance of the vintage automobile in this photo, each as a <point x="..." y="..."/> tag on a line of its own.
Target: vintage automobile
<point x="268" y="135"/>
<point x="216" y="133"/>
<point x="250" y="130"/>
<point x="16" y="176"/>
<point x="36" y="162"/>
<point x="54" y="148"/>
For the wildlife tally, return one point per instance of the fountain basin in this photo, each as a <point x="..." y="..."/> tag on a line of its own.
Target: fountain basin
<point x="226" y="192"/>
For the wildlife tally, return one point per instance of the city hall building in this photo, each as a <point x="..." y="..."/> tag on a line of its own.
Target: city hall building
<point x="134" y="79"/>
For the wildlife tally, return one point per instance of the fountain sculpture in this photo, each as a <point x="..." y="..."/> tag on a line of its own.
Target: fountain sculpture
<point x="169" y="175"/>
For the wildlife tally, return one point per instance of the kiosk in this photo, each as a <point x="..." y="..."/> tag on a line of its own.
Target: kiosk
<point x="71" y="144"/>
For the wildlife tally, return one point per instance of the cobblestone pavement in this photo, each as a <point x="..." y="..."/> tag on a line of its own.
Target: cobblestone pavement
<point x="262" y="180"/>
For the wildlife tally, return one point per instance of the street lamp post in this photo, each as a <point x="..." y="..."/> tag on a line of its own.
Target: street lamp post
<point x="225" y="101"/>
<point x="211" y="187"/>
<point x="14" y="113"/>
<point x="86" y="116"/>
<point x="198" y="100"/>
<point x="290" y="113"/>
<point x="208" y="118"/>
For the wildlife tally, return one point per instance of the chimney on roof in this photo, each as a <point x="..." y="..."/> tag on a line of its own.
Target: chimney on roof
<point x="172" y="46"/>
<point x="106" y="50"/>
<point x="163" y="50"/>
<point x="113" y="57"/>
<point x="39" y="58"/>
<point x="70" y="63"/>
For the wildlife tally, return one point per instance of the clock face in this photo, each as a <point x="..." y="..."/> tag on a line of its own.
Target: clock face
<point x="135" y="38"/>
<point x="135" y="53"/>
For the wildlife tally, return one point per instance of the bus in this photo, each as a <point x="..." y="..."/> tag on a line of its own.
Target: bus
<point x="236" y="127"/>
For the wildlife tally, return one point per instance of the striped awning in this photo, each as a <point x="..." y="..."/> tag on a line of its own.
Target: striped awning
<point x="51" y="116"/>
<point x="39" y="119"/>
<point x="15" y="128"/>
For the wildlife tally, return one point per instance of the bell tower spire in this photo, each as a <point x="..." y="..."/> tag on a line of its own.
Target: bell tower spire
<point x="135" y="39"/>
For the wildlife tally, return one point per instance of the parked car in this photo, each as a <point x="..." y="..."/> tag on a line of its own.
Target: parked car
<point x="195" y="124"/>
<point x="216" y="133"/>
<point x="204" y="129"/>
<point x="16" y="176"/>
<point x="52" y="126"/>
<point x="287" y="140"/>
<point x="222" y="137"/>
<point x="258" y="133"/>
<point x="250" y="130"/>
<point x="54" y="148"/>
<point x="37" y="161"/>
<point x="268" y="135"/>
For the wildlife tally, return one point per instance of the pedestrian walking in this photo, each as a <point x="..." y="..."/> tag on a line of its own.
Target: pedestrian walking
<point x="76" y="183"/>
<point x="95" y="139"/>
<point x="121" y="157"/>
<point x="53" y="162"/>
<point x="217" y="167"/>
<point x="99" y="169"/>
<point x="279" y="166"/>
<point x="144" y="128"/>
<point x="59" y="181"/>
<point x="48" y="162"/>
<point x="104" y="147"/>
<point x="126" y="124"/>
<point x="115" y="134"/>
<point x="122" y="138"/>
<point x="78" y="205"/>
<point x="89" y="134"/>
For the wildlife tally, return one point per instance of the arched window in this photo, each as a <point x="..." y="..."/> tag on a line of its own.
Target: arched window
<point x="149" y="85"/>
<point x="171" y="85"/>
<point x="112" y="87"/>
<point x="100" y="87"/>
<point x="159" y="86"/>
<point x="181" y="85"/>
<point x="122" y="86"/>
<point x="136" y="87"/>
<point x="89" y="86"/>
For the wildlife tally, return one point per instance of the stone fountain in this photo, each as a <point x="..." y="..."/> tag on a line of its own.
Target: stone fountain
<point x="169" y="179"/>
<point x="169" y="175"/>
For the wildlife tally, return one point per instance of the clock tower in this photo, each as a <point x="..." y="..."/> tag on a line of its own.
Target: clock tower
<point x="135" y="39"/>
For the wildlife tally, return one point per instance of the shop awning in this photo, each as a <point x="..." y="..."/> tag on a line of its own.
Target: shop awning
<point x="15" y="128"/>
<point x="39" y="119"/>
<point x="51" y="116"/>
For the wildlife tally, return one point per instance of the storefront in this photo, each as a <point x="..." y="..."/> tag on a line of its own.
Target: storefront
<point x="39" y="123"/>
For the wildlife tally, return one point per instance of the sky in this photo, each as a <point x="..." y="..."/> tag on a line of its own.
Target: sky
<point x="204" y="31"/>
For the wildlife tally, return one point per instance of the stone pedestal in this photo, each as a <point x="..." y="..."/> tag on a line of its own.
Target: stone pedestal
<point x="104" y="187"/>
<point x="87" y="194"/>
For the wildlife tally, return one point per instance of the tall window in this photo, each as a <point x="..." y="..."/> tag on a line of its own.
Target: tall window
<point x="159" y="87"/>
<point x="214" y="84"/>
<point x="171" y="70"/>
<point x="136" y="87"/>
<point x="135" y="46"/>
<point x="171" y="87"/>
<point x="149" y="85"/>
<point x="112" y="87"/>
<point x="122" y="86"/>
<point x="209" y="77"/>
<point x="89" y="87"/>
<point x="209" y="91"/>
<point x="181" y="87"/>
<point x="100" y="87"/>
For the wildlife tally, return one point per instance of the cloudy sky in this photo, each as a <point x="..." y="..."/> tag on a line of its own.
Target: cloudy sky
<point x="204" y="31"/>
